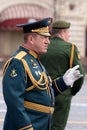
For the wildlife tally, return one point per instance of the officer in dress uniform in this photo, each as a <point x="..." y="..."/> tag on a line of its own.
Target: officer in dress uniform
<point x="61" y="56"/>
<point x="27" y="87"/>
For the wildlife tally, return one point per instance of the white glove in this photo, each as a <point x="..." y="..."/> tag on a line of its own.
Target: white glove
<point x="71" y="75"/>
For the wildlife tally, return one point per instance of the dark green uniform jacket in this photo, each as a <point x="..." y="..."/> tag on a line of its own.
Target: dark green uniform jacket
<point x="59" y="58"/>
<point x="28" y="92"/>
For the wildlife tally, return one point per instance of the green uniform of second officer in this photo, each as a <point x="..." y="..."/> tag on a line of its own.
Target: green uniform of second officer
<point x="61" y="56"/>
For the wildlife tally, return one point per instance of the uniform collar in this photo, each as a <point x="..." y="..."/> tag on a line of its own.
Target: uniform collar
<point x="57" y="37"/>
<point x="31" y="52"/>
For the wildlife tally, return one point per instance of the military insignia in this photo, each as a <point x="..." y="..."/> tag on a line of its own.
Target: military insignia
<point x="32" y="60"/>
<point x="35" y="65"/>
<point x="49" y="21"/>
<point x="78" y="56"/>
<point x="38" y="72"/>
<point x="13" y="73"/>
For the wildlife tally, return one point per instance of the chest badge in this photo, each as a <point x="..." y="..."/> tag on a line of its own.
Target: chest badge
<point x="32" y="60"/>
<point x="13" y="73"/>
<point x="38" y="72"/>
<point x="34" y="64"/>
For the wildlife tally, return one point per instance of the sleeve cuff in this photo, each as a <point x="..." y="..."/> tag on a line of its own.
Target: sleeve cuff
<point x="59" y="86"/>
<point x="29" y="127"/>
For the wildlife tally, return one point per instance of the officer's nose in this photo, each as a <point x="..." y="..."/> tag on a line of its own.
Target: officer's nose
<point x="47" y="40"/>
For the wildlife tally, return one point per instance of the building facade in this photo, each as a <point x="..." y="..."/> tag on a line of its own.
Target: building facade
<point x="20" y="11"/>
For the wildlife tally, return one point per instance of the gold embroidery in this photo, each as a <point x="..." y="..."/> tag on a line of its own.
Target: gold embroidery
<point x="41" y="30"/>
<point x="78" y="55"/>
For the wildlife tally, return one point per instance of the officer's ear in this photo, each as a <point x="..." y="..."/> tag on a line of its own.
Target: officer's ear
<point x="30" y="38"/>
<point x="27" y="37"/>
<point x="62" y="32"/>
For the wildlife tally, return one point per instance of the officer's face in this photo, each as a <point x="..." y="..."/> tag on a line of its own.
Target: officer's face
<point x="40" y="43"/>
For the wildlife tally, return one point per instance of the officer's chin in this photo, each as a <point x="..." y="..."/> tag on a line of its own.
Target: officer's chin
<point x="45" y="51"/>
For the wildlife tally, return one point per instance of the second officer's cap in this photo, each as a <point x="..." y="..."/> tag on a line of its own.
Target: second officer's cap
<point x="40" y="27"/>
<point x="61" y="24"/>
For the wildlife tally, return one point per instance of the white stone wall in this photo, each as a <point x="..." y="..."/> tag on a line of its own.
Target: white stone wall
<point x="44" y="3"/>
<point x="9" y="41"/>
<point x="77" y="17"/>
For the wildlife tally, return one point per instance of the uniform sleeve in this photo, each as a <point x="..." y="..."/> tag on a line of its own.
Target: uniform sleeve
<point x="14" y="85"/>
<point x="78" y="84"/>
<point x="59" y="86"/>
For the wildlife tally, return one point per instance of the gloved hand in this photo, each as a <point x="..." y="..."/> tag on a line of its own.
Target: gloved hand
<point x="71" y="75"/>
